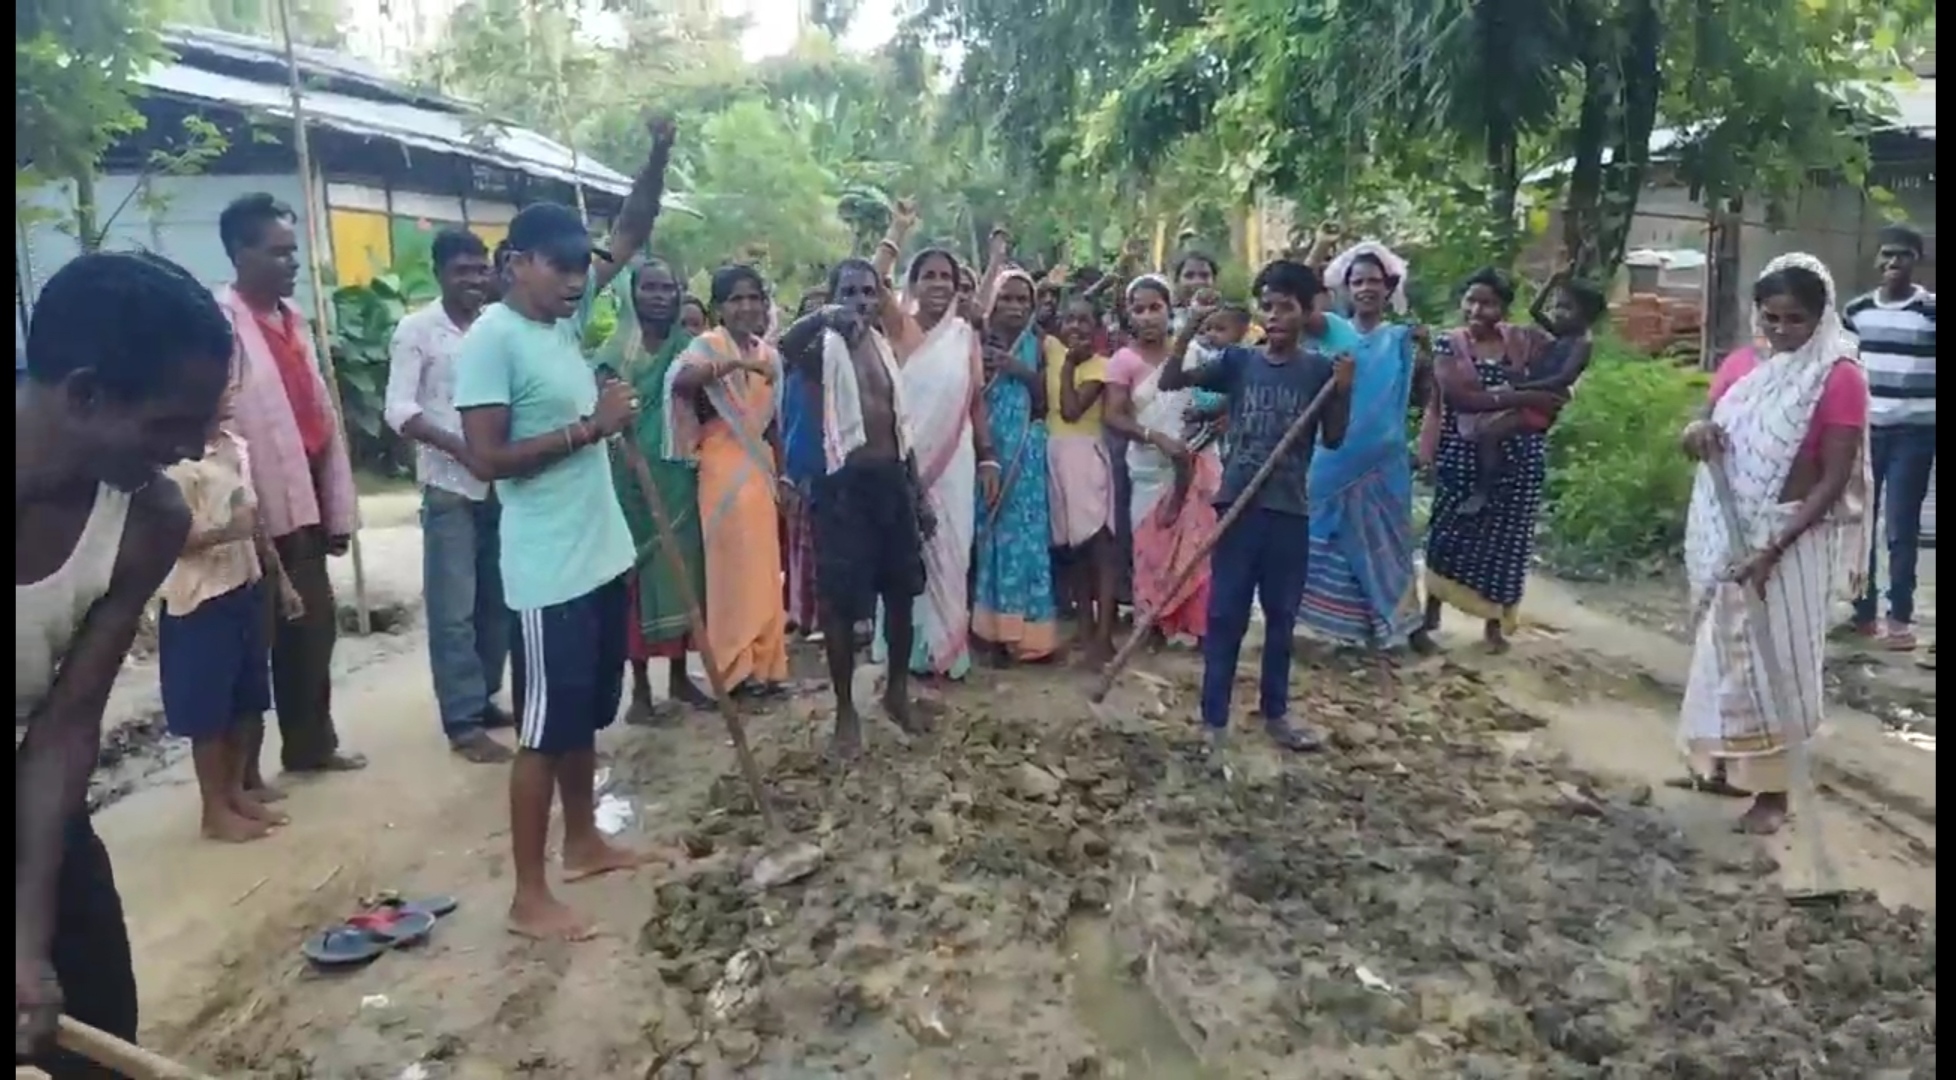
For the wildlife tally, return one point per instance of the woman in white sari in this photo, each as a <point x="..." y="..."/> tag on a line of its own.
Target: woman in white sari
<point x="942" y="373"/>
<point x="1788" y="426"/>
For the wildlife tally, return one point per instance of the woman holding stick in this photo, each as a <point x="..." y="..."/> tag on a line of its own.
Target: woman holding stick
<point x="1788" y="426"/>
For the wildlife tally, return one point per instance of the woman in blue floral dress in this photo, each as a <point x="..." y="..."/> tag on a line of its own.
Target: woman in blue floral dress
<point x="1014" y="616"/>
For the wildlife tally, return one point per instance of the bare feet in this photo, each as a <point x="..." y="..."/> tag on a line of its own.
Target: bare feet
<point x="546" y="918"/>
<point x="687" y="693"/>
<point x="333" y="763"/>
<point x="247" y="807"/>
<point x="227" y="826"/>
<point x="599" y="857"/>
<point x="847" y="743"/>
<point x="1422" y="643"/>
<point x="1764" y="817"/>
<point x="480" y="748"/>
<point x="1493" y="639"/>
<point x="639" y="712"/>
<point x="914" y="717"/>
<point x="263" y="792"/>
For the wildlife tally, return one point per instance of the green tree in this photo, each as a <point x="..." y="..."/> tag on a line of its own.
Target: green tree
<point x="75" y="71"/>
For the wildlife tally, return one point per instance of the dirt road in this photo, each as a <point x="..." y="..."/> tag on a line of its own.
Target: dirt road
<point x="1484" y="876"/>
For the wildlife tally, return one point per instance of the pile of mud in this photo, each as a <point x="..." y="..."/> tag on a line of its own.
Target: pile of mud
<point x="1040" y="893"/>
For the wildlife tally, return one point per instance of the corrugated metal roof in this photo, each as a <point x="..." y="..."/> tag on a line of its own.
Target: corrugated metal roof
<point x="1912" y="109"/>
<point x="194" y="43"/>
<point x="449" y="133"/>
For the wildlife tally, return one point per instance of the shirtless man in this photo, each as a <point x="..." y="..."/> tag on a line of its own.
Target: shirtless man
<point x="870" y="523"/>
<point x="107" y="405"/>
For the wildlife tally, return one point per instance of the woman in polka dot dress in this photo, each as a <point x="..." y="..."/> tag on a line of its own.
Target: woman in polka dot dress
<point x="1478" y="562"/>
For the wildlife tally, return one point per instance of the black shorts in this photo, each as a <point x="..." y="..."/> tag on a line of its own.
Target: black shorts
<point x="91" y="951"/>
<point x="568" y="669"/>
<point x="867" y="543"/>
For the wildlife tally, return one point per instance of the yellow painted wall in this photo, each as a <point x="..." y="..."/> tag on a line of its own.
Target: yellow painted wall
<point x="491" y="234"/>
<point x="362" y="245"/>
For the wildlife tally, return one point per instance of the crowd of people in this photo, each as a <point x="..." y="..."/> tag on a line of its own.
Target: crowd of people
<point x="946" y="464"/>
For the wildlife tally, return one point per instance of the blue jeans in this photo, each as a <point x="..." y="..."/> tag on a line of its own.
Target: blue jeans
<point x="1902" y="457"/>
<point x="462" y="589"/>
<point x="1263" y="557"/>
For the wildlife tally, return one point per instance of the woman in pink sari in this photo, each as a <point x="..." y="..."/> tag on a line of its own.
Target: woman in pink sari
<point x="1172" y="521"/>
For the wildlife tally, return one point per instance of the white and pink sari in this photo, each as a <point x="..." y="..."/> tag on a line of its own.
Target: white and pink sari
<point x="939" y="378"/>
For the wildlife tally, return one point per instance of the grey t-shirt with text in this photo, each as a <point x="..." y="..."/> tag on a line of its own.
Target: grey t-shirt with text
<point x="1265" y="398"/>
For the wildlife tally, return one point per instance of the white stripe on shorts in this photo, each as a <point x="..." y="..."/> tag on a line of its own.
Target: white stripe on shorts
<point x="536" y="699"/>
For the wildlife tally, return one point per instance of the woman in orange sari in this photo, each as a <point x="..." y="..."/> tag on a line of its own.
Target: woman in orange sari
<point x="721" y="409"/>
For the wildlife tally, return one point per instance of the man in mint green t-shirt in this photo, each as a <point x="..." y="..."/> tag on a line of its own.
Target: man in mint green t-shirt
<point x="534" y="416"/>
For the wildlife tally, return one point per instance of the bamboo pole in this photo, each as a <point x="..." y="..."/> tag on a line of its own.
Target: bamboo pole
<point x="715" y="675"/>
<point x="126" y="1059"/>
<point x="302" y="144"/>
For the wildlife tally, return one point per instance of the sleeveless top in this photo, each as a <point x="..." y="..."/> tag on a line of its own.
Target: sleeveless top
<point x="49" y="613"/>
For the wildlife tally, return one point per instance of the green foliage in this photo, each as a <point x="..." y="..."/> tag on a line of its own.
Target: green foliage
<point x="1618" y="487"/>
<point x="75" y="69"/>
<point x="364" y="318"/>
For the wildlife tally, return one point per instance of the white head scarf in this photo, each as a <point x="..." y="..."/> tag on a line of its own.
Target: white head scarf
<point x="1339" y="268"/>
<point x="1766" y="415"/>
<point x="1156" y="280"/>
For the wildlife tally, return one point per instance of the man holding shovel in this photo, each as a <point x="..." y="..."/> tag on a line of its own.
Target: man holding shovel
<point x="868" y="510"/>
<point x="108" y="404"/>
<point x="1262" y="554"/>
<point x="534" y="419"/>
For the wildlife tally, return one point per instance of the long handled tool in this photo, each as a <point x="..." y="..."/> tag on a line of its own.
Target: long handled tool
<point x="122" y="1058"/>
<point x="1236" y="509"/>
<point x="1765" y="642"/>
<point x="715" y="675"/>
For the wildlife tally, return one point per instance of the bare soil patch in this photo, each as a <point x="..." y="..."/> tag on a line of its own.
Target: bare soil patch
<point x="1041" y="892"/>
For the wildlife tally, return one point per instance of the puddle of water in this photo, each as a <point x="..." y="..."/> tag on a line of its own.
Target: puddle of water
<point x="1130" y="1025"/>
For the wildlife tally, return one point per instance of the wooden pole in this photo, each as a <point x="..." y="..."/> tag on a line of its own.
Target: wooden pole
<point x="302" y="144"/>
<point x="715" y="675"/>
<point x="125" y="1059"/>
<point x="1181" y="574"/>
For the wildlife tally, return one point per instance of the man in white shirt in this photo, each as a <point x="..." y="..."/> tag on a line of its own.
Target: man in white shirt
<point x="1897" y="327"/>
<point x="468" y="623"/>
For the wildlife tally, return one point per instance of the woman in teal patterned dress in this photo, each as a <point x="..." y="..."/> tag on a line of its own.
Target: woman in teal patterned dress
<point x="1013" y="615"/>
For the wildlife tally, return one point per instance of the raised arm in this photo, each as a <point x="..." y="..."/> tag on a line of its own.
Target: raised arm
<point x="903" y="219"/>
<point x="801" y="343"/>
<point x="997" y="249"/>
<point x="633" y="228"/>
<point x="1538" y="307"/>
<point x="64" y="736"/>
<point x="1214" y="375"/>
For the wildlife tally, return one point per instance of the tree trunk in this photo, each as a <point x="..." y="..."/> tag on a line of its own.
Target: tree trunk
<point x="88" y="234"/>
<point x="1639" y="83"/>
<point x="1502" y="140"/>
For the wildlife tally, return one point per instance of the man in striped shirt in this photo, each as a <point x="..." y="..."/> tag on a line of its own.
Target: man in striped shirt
<point x="1897" y="327"/>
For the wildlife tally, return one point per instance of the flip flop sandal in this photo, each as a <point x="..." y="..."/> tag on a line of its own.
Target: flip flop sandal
<point x="343" y="947"/>
<point x="396" y="927"/>
<point x="439" y="906"/>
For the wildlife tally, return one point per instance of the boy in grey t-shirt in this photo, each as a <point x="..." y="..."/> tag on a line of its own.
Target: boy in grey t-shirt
<point x="1263" y="555"/>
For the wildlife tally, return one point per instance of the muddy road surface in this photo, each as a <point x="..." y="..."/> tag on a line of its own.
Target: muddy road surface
<point x="1482" y="876"/>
